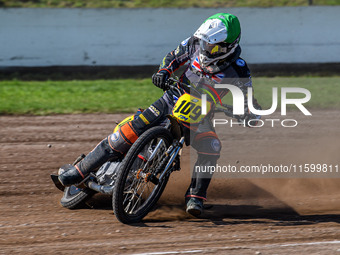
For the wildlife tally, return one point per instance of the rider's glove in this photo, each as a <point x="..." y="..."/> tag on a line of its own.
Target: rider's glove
<point x="160" y="78"/>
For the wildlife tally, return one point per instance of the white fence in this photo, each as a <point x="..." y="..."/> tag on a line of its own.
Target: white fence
<point x="75" y="37"/>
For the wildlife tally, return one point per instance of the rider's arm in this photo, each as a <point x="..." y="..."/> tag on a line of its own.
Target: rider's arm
<point x="178" y="57"/>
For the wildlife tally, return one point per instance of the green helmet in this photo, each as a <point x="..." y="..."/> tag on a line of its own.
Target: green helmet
<point x="219" y="36"/>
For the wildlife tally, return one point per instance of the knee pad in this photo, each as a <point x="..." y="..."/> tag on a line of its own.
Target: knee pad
<point x="207" y="143"/>
<point x="122" y="139"/>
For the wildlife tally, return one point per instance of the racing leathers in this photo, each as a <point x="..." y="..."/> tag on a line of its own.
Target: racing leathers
<point x="202" y="136"/>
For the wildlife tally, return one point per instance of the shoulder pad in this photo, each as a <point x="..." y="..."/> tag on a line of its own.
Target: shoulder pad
<point x="241" y="68"/>
<point x="185" y="42"/>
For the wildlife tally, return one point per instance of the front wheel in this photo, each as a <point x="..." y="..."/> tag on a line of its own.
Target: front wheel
<point x="138" y="188"/>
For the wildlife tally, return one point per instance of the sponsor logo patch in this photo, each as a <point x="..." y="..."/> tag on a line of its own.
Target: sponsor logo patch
<point x="183" y="117"/>
<point x="115" y="136"/>
<point x="185" y="42"/>
<point x="240" y="62"/>
<point x="177" y="50"/>
<point x="144" y="119"/>
<point x="215" y="145"/>
<point x="154" y="110"/>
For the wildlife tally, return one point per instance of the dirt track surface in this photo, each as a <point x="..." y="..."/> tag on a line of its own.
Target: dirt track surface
<point x="248" y="216"/>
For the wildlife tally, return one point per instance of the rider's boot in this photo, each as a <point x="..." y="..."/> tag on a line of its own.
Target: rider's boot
<point x="111" y="148"/>
<point x="195" y="206"/>
<point x="197" y="191"/>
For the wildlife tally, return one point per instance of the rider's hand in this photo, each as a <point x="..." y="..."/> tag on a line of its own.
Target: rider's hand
<point x="160" y="78"/>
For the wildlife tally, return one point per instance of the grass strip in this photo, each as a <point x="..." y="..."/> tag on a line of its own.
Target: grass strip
<point x="114" y="96"/>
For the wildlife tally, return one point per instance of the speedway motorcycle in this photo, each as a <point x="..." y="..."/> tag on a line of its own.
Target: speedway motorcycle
<point x="139" y="179"/>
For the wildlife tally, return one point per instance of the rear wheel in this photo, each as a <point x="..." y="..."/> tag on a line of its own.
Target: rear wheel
<point x="137" y="188"/>
<point x="75" y="198"/>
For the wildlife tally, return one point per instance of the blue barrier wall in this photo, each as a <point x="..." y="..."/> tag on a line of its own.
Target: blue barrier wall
<point x="73" y="37"/>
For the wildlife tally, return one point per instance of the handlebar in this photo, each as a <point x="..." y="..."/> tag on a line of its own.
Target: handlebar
<point x="169" y="85"/>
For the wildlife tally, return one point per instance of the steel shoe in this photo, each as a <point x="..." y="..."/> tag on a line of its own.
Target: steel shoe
<point x="195" y="206"/>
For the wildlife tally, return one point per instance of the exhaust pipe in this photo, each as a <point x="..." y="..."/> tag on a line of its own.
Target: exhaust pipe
<point x="105" y="189"/>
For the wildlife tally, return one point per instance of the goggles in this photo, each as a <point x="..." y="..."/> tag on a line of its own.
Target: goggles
<point x="213" y="50"/>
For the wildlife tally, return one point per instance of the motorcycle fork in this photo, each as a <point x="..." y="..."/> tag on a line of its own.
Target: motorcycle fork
<point x="173" y="155"/>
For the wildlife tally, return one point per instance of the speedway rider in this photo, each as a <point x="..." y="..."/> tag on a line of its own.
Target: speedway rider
<point x="213" y="53"/>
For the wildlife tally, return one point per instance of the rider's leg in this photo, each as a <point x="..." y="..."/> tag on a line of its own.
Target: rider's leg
<point x="116" y="144"/>
<point x="98" y="156"/>
<point x="208" y="148"/>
